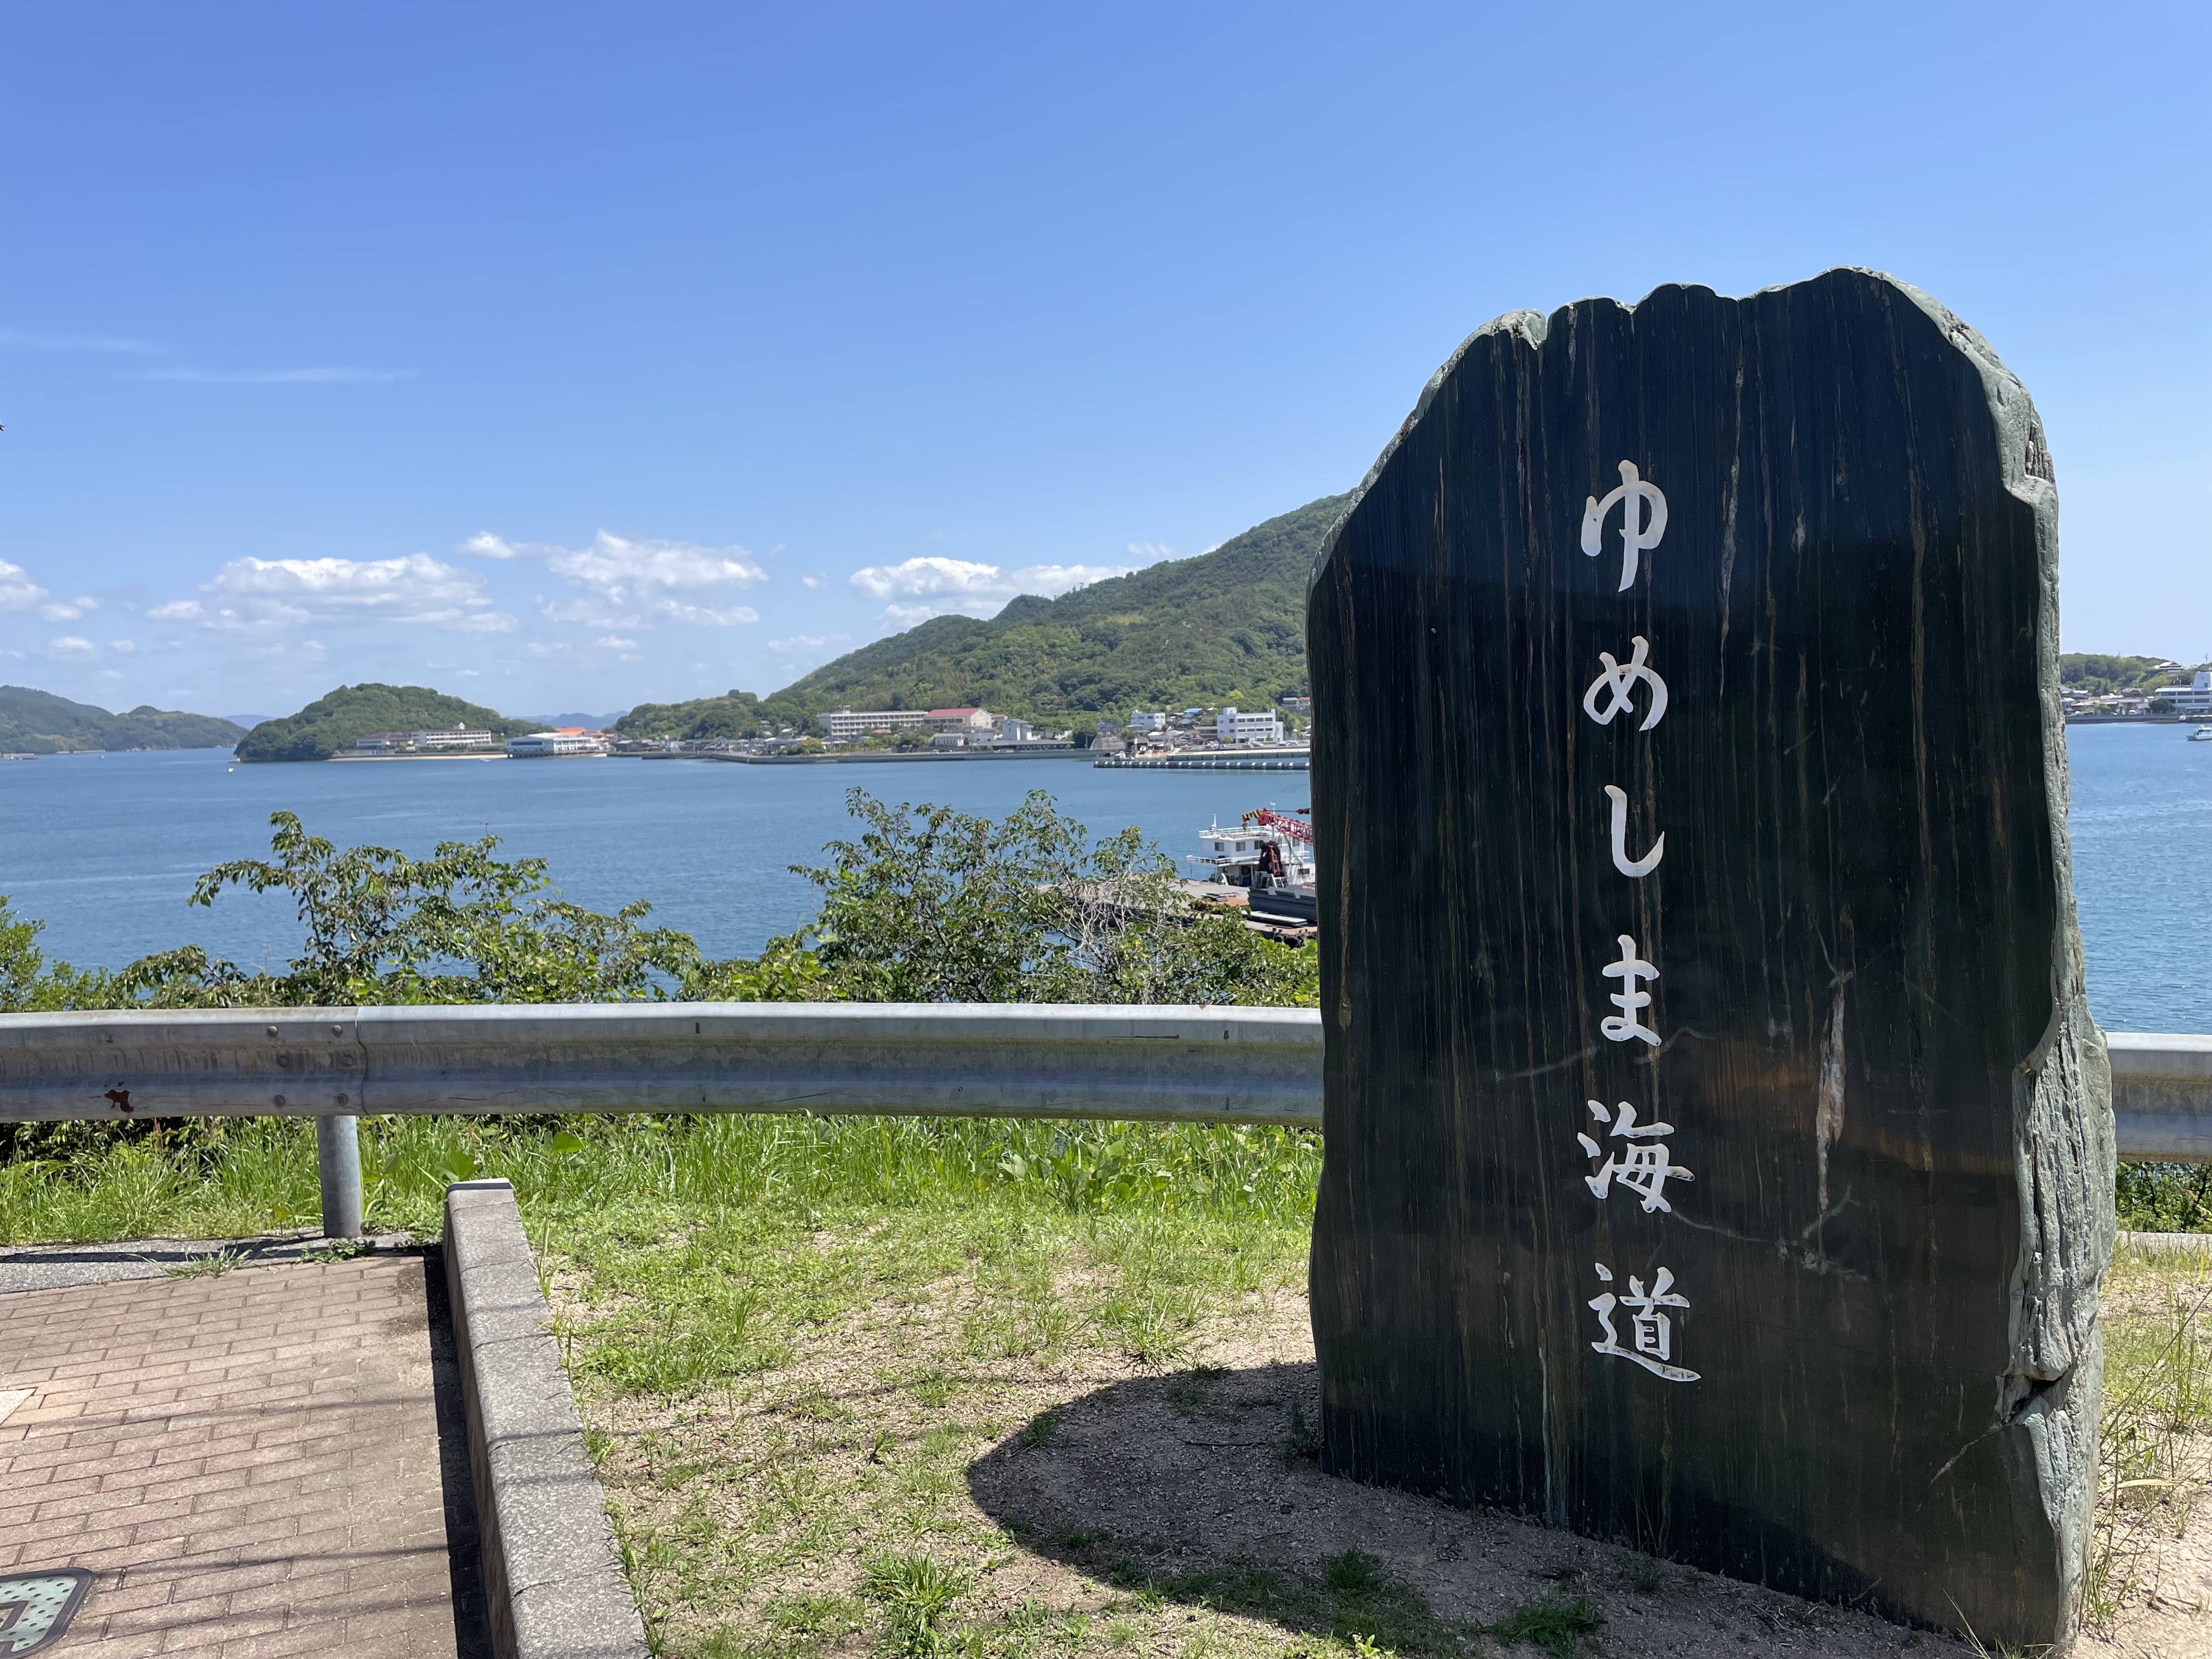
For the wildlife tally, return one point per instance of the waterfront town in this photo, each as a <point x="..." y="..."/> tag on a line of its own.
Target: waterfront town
<point x="975" y="732"/>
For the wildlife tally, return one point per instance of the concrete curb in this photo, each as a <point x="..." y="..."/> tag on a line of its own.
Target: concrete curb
<point x="551" y="1580"/>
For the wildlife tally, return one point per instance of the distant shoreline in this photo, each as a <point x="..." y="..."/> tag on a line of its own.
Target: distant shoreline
<point x="373" y="760"/>
<point x="879" y="759"/>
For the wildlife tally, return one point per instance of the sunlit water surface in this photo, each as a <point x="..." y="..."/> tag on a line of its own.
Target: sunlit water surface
<point x="104" y="850"/>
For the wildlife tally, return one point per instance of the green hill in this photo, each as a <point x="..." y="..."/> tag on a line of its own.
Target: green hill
<point x="732" y="715"/>
<point x="2101" y="674"/>
<point x="1226" y="627"/>
<point x="334" y="720"/>
<point x="41" y="723"/>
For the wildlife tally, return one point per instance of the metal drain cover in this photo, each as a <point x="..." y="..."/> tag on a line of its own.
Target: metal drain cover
<point x="36" y="1607"/>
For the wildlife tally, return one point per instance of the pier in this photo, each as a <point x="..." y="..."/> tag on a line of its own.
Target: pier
<point x="1271" y="760"/>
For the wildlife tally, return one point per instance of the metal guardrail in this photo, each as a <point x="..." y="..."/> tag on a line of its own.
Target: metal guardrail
<point x="2162" y="1097"/>
<point x="996" y="1060"/>
<point x="1012" y="1060"/>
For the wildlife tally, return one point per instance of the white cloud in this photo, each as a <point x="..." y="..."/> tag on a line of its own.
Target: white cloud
<point x="124" y="645"/>
<point x="23" y="339"/>
<point x="627" y="581"/>
<point x="929" y="575"/>
<point x="616" y="642"/>
<point x="1150" y="552"/>
<point x="809" y="644"/>
<point x="69" y="645"/>
<point x="814" y="579"/>
<point x="68" y="610"/>
<point x="179" y="610"/>
<point x="17" y="591"/>
<point x="279" y="376"/>
<point x="971" y="584"/>
<point x="906" y="616"/>
<point x="417" y="589"/>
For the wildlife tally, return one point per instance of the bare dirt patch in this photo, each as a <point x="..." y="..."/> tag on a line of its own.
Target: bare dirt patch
<point x="1029" y="1440"/>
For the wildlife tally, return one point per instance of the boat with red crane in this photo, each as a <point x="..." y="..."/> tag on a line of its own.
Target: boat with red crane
<point x="1270" y="855"/>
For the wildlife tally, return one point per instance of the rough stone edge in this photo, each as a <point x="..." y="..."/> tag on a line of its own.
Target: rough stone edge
<point x="2066" y="1151"/>
<point x="553" y="1586"/>
<point x="2066" y="1146"/>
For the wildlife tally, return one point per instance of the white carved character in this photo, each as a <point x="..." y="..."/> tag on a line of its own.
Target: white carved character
<point x="1618" y="682"/>
<point x="1637" y="536"/>
<point x="1621" y="861"/>
<point x="1629" y="971"/>
<point x="1642" y="1166"/>
<point x="1652" y="1330"/>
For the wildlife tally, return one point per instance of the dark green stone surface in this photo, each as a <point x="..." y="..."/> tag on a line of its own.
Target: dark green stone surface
<point x="1875" y="1055"/>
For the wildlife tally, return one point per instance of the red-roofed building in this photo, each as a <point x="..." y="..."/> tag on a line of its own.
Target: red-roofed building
<point x="961" y="720"/>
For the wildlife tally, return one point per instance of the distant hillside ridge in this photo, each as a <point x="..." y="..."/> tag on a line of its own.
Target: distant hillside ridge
<point x="732" y="715"/>
<point x="335" y="720"/>
<point x="1225" y="627"/>
<point x="39" y="723"/>
<point x="2087" y="671"/>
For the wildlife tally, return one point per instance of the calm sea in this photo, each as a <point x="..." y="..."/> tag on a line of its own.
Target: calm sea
<point x="104" y="849"/>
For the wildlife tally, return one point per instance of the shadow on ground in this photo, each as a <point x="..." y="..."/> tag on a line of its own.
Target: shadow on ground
<point x="1201" y="1487"/>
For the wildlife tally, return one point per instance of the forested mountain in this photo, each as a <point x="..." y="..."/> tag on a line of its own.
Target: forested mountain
<point x="334" y="720"/>
<point x="41" y="723"/>
<point x="1226" y="627"/>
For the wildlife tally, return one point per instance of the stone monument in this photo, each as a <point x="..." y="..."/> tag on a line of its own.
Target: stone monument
<point x="1719" y="1147"/>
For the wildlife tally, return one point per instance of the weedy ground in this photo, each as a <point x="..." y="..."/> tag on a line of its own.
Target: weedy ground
<point x="2150" y="1567"/>
<point x="882" y="1387"/>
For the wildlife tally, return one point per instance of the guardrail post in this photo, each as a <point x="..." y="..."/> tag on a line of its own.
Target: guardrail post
<point x="337" y="1168"/>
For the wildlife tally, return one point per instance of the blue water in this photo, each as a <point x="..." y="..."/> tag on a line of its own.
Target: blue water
<point x="104" y="849"/>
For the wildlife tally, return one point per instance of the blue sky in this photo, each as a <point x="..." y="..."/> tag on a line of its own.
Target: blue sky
<point x="567" y="358"/>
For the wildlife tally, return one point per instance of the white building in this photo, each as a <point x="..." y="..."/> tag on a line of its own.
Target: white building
<point x="401" y="742"/>
<point x="1239" y="726"/>
<point x="540" y="746"/>
<point x="843" y="724"/>
<point x="2193" y="700"/>
<point x="457" y="737"/>
<point x="1144" y="721"/>
<point x="967" y="720"/>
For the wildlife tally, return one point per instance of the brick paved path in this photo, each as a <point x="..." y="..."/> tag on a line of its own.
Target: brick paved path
<point x="250" y="1463"/>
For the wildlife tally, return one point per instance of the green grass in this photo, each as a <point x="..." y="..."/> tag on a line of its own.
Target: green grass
<point x="765" y="1508"/>
<point x="238" y="1177"/>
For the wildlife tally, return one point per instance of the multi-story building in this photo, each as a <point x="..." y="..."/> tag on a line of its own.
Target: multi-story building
<point x="843" y="724"/>
<point x="398" y="743"/>
<point x="2193" y="700"/>
<point x="569" y="741"/>
<point x="968" y="720"/>
<point x="1142" y="720"/>
<point x="1235" y="725"/>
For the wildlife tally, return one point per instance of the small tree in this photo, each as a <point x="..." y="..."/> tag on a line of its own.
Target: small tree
<point x="460" y="925"/>
<point x="929" y="904"/>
